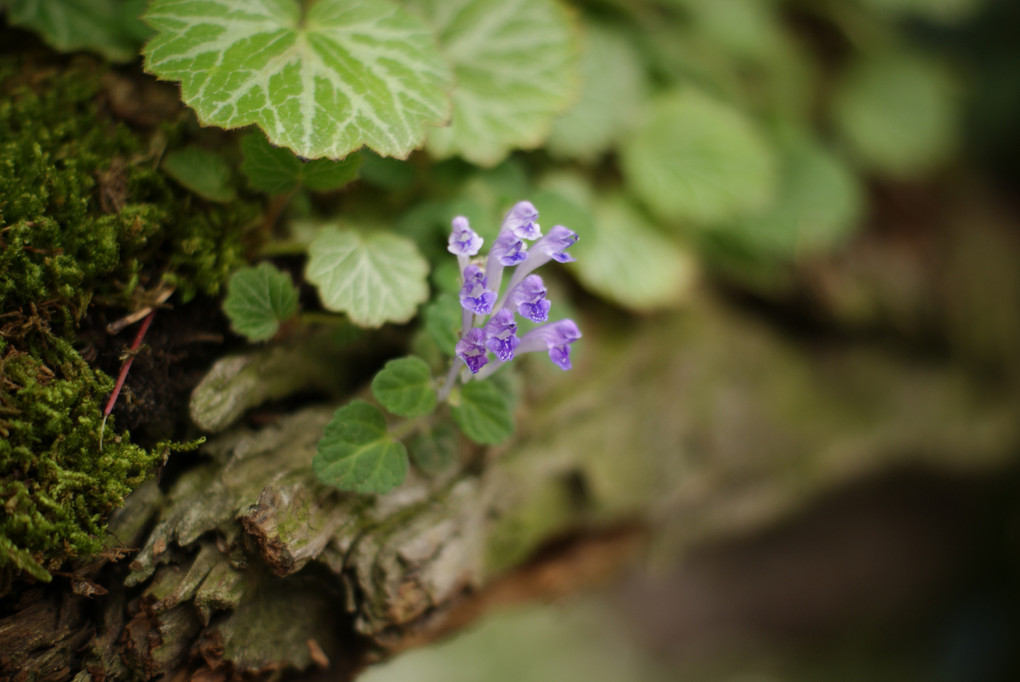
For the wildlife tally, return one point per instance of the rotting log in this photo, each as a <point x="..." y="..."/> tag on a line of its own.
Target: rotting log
<point x="698" y="424"/>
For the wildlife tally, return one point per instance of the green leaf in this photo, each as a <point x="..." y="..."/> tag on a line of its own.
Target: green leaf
<point x="278" y="171"/>
<point x="948" y="11"/>
<point x="356" y="452"/>
<point x="434" y="450"/>
<point x="202" y="171"/>
<point x="258" y="299"/>
<point x="404" y="387"/>
<point x="817" y="207"/>
<point x="896" y="113"/>
<point x="515" y="66"/>
<point x="322" y="78"/>
<point x="484" y="413"/>
<point x="443" y="320"/>
<point x="623" y="258"/>
<point x="699" y="160"/>
<point x="612" y="95"/>
<point x="110" y="27"/>
<point x="375" y="278"/>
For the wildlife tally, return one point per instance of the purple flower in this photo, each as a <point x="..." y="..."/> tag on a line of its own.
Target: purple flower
<point x="463" y="240"/>
<point x="474" y="297"/>
<point x="471" y="349"/>
<point x="501" y="335"/>
<point x="556" y="338"/>
<point x="552" y="246"/>
<point x="528" y="299"/>
<point x="521" y="221"/>
<point x="506" y="251"/>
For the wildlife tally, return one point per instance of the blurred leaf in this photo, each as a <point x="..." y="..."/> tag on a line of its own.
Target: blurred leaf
<point x="375" y="278"/>
<point x="404" y="387"/>
<point x="203" y="172"/>
<point x="386" y="173"/>
<point x="111" y="28"/>
<point x="435" y="449"/>
<point x="483" y="413"/>
<point x="947" y="11"/>
<point x="356" y="452"/>
<point x="624" y="259"/>
<point x="747" y="28"/>
<point x="278" y="171"/>
<point x="612" y="93"/>
<point x="258" y="299"/>
<point x="443" y="320"/>
<point x="818" y="205"/>
<point x="515" y="67"/>
<point x="896" y="113"/>
<point x="698" y="160"/>
<point x="322" y="78"/>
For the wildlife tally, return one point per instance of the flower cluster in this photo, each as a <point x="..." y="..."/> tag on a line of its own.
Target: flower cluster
<point x="490" y="317"/>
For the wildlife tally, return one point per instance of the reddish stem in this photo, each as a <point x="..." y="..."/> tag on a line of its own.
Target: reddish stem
<point x="124" y="371"/>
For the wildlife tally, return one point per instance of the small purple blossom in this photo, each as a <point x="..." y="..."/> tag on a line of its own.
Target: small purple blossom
<point x="556" y="338"/>
<point x="552" y="246"/>
<point x="521" y="221"/>
<point x="501" y="335"/>
<point x="463" y="240"/>
<point x="525" y="295"/>
<point x="474" y="297"/>
<point x="508" y="250"/>
<point x="528" y="299"/>
<point x="471" y="349"/>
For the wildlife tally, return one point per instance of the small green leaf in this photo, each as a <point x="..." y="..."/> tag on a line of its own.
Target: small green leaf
<point x="484" y="413"/>
<point x="110" y="27"/>
<point x="434" y="450"/>
<point x="515" y="63"/>
<point x="321" y="78"/>
<point x="357" y="453"/>
<point x="278" y="171"/>
<point x="700" y="160"/>
<point x="404" y="387"/>
<point x="375" y="278"/>
<point x="200" y="170"/>
<point x="896" y="113"/>
<point x="442" y="321"/>
<point x="622" y="257"/>
<point x="258" y="299"/>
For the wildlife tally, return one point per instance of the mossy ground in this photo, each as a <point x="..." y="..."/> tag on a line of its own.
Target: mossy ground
<point x="86" y="219"/>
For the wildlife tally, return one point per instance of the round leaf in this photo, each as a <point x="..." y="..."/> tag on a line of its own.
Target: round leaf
<point x="356" y="453"/>
<point x="626" y="260"/>
<point x="896" y="113"/>
<point x="699" y="160"/>
<point x="321" y="78"/>
<point x="258" y="299"/>
<point x="515" y="66"/>
<point x="375" y="278"/>
<point x="404" y="387"/>
<point x="818" y="205"/>
<point x="484" y="413"/>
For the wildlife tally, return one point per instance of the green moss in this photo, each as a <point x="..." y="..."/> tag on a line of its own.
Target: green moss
<point x="86" y="218"/>
<point x="57" y="486"/>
